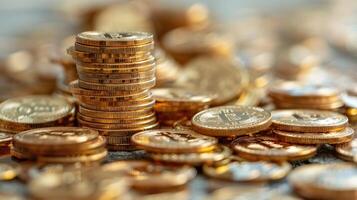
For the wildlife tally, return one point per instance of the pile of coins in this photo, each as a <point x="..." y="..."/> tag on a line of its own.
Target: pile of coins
<point x="59" y="145"/>
<point x="116" y="71"/>
<point x="173" y="104"/>
<point x="311" y="127"/>
<point x="288" y="95"/>
<point x="38" y="111"/>
<point x="180" y="146"/>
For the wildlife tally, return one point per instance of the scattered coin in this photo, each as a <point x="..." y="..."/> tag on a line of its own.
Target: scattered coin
<point x="173" y="141"/>
<point x="231" y="121"/>
<point x="261" y="147"/>
<point x="308" y="120"/>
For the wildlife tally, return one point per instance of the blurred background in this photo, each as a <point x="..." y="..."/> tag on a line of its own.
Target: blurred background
<point x="312" y="41"/>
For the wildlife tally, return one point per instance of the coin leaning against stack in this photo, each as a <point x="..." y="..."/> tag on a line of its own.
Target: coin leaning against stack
<point x="116" y="71"/>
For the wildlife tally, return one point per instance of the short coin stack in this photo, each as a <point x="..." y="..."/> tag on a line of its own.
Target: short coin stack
<point x="173" y="104"/>
<point x="116" y="71"/>
<point x="37" y="111"/>
<point x="291" y="95"/>
<point x="180" y="146"/>
<point x="60" y="145"/>
<point x="311" y="127"/>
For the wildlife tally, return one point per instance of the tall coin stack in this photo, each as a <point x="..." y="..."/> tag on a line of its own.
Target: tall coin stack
<point x="116" y="71"/>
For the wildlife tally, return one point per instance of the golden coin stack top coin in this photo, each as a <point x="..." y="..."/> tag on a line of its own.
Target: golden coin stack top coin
<point x="59" y="145"/>
<point x="311" y="127"/>
<point x="116" y="71"/>
<point x="180" y="146"/>
<point x="291" y="95"/>
<point x="174" y="104"/>
<point x="28" y="112"/>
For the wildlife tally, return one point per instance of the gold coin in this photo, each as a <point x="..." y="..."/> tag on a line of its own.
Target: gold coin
<point x="294" y="91"/>
<point x="231" y="121"/>
<point x="203" y="74"/>
<point x="118" y="81"/>
<point x="148" y="105"/>
<point x="124" y="76"/>
<point x="32" y="110"/>
<point x="244" y="171"/>
<point x="347" y="151"/>
<point x="8" y="171"/>
<point x="115" y="50"/>
<point x="97" y="157"/>
<point x="140" y="95"/>
<point x="75" y="89"/>
<point x="308" y="120"/>
<point x="126" y="87"/>
<point x="115" y="115"/>
<point x="147" y="176"/>
<point x="116" y="121"/>
<point x="173" y="141"/>
<point x="261" y="147"/>
<point x="218" y="154"/>
<point x="114" y="39"/>
<point x="5" y="139"/>
<point x="126" y="131"/>
<point x="334" y="137"/>
<point x="307" y="105"/>
<point x="90" y="70"/>
<point x="119" y="65"/>
<point x="135" y="125"/>
<point x="325" y="181"/>
<point x="180" y="96"/>
<point x="136" y="102"/>
<point x="55" y="136"/>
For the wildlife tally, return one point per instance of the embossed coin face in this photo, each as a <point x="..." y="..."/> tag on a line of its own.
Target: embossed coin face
<point x="34" y="109"/>
<point x="114" y="38"/>
<point x="180" y="96"/>
<point x="334" y="137"/>
<point x="173" y="141"/>
<point x="203" y="74"/>
<point x="248" y="171"/>
<point x="231" y="120"/>
<point x="263" y="147"/>
<point x="56" y="136"/>
<point x="325" y="181"/>
<point x="147" y="175"/>
<point x="308" y="120"/>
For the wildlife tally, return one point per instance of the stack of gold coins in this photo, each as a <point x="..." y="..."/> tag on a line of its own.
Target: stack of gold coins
<point x="167" y="69"/>
<point x="311" y="127"/>
<point x="173" y="104"/>
<point x="59" y="145"/>
<point x="38" y="111"/>
<point x="180" y="146"/>
<point x="116" y="71"/>
<point x="297" y="95"/>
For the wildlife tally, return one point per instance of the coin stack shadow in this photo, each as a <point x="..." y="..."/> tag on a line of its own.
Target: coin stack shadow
<point x="116" y="71"/>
